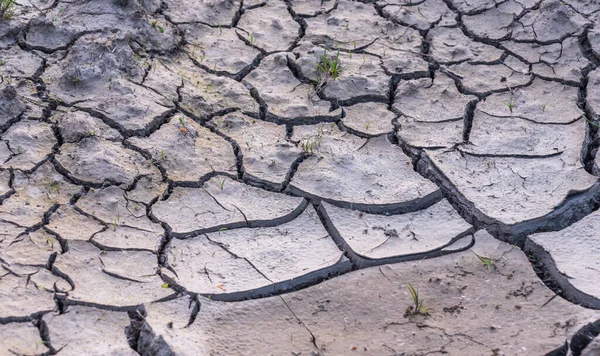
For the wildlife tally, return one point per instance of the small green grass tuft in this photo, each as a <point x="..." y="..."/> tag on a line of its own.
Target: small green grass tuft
<point x="329" y="67"/>
<point x="417" y="308"/>
<point x="487" y="261"/>
<point x="7" y="9"/>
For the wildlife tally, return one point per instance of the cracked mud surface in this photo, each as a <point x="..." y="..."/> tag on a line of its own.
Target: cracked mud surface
<point x="234" y="177"/>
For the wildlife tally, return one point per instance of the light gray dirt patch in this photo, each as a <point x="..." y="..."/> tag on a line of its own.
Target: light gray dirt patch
<point x="310" y="8"/>
<point x="69" y="224"/>
<point x="269" y="27"/>
<point x="284" y="95"/>
<point x="495" y="23"/>
<point x="450" y="45"/>
<point x="126" y="224"/>
<point x="421" y="16"/>
<point x="543" y="102"/>
<point x="267" y="155"/>
<point x="29" y="143"/>
<point x="75" y="125"/>
<point x="89" y="331"/>
<point x="32" y="249"/>
<point x="223" y="328"/>
<point x="513" y="136"/>
<point x="214" y="13"/>
<point x="187" y="150"/>
<point x="218" y="49"/>
<point x="486" y="78"/>
<point x="239" y="260"/>
<point x="572" y="255"/>
<point x="224" y="203"/>
<point x="20" y="299"/>
<point x="426" y="100"/>
<point x="379" y="236"/>
<point x="17" y="63"/>
<point x="457" y="287"/>
<point x="21" y="339"/>
<point x="95" y="161"/>
<point x="417" y="133"/>
<point x="513" y="190"/>
<point x="371" y="119"/>
<point x="205" y="95"/>
<point x="35" y="193"/>
<point x="371" y="175"/>
<point x="111" y="278"/>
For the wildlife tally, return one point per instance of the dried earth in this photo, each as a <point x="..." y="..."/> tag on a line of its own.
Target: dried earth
<point x="300" y="177"/>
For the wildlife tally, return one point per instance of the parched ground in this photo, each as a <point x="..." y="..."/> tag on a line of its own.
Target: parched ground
<point x="300" y="177"/>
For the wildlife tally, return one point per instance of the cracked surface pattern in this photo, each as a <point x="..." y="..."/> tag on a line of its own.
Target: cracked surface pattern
<point x="233" y="177"/>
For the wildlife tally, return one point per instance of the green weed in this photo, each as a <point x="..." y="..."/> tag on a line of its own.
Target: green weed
<point x="329" y="67"/>
<point x="487" y="261"/>
<point x="7" y="9"/>
<point x="417" y="308"/>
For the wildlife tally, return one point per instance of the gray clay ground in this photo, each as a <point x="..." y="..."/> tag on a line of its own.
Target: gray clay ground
<point x="248" y="177"/>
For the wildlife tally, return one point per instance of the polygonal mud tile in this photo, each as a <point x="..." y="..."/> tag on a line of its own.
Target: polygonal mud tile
<point x="593" y="94"/>
<point x="187" y="150"/>
<point x="370" y="175"/>
<point x="408" y="235"/>
<point x="5" y="184"/>
<point x="372" y="119"/>
<point x="10" y="105"/>
<point x="19" y="63"/>
<point x="101" y="77"/>
<point x="222" y="328"/>
<point x="75" y="125"/>
<point x="223" y="203"/>
<point x="35" y="193"/>
<point x="69" y="224"/>
<point x="162" y="80"/>
<point x="422" y="15"/>
<point x="19" y="299"/>
<point x="486" y="78"/>
<point x="515" y="136"/>
<point x="29" y="143"/>
<point x="267" y="156"/>
<point x="286" y="97"/>
<point x="214" y="13"/>
<point x="451" y="45"/>
<point x="456" y="289"/>
<point x="552" y="21"/>
<point x="269" y="27"/>
<point x="564" y="61"/>
<point x="354" y="25"/>
<point x="115" y="278"/>
<point x="32" y="249"/>
<point x="89" y="331"/>
<point x="310" y="8"/>
<point x="360" y="75"/>
<point x="21" y="339"/>
<point x="512" y="190"/>
<point x="126" y="221"/>
<point x="429" y="100"/>
<point x="544" y="102"/>
<point x="575" y="265"/>
<point x="204" y="95"/>
<point x="472" y="6"/>
<point x="96" y="161"/>
<point x="252" y="261"/>
<point x="218" y="49"/>
<point x="8" y="232"/>
<point x="495" y="23"/>
<point x="417" y="133"/>
<point x="146" y="189"/>
<point x="63" y="24"/>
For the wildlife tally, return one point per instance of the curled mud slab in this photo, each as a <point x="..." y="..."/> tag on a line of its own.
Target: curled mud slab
<point x="232" y="177"/>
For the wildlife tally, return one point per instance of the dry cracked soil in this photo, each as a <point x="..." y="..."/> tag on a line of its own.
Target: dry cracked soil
<point x="299" y="177"/>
